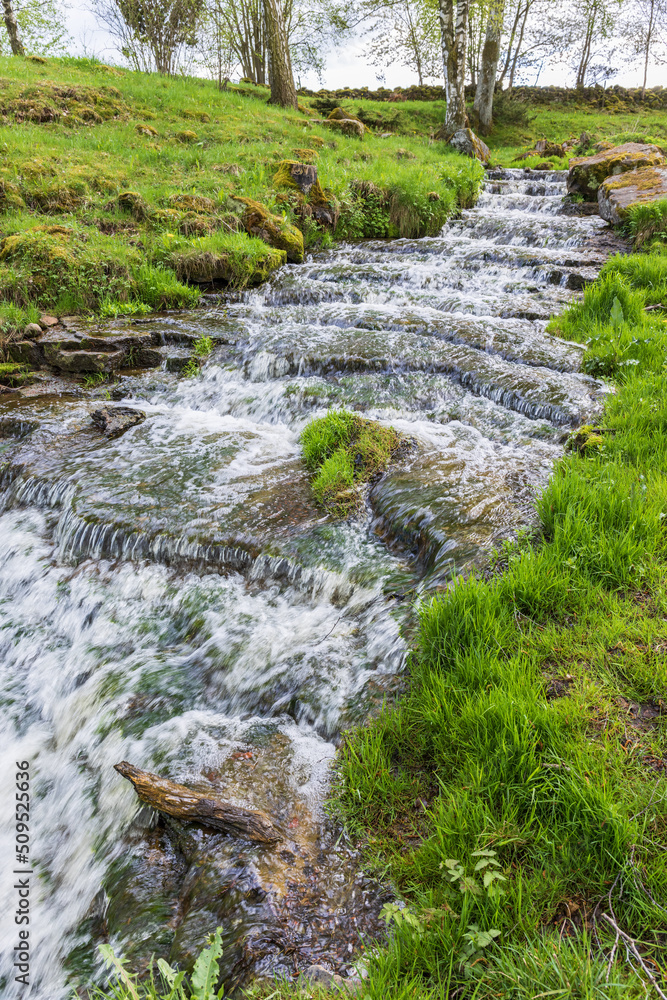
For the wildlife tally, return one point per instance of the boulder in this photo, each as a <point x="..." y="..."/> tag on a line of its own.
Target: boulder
<point x="618" y="194"/>
<point x="46" y="322"/>
<point x="545" y="148"/>
<point x="272" y="229"/>
<point x="586" y="173"/>
<point x="348" y="126"/>
<point x="465" y="141"/>
<point x="115" y="420"/>
<point x="32" y="330"/>
<point x="291" y="174"/>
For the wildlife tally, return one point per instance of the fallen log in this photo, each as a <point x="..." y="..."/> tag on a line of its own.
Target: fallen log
<point x="185" y="804"/>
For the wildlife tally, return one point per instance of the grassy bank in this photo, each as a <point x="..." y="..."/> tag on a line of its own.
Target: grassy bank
<point x="119" y="191"/>
<point x="517" y="795"/>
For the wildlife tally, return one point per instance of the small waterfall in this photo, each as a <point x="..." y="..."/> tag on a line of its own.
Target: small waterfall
<point x="175" y="598"/>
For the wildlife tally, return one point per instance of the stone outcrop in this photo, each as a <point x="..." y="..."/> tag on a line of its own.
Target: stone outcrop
<point x="586" y="173"/>
<point x="618" y="194"/>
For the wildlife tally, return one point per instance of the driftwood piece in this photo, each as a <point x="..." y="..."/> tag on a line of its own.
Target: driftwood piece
<point x="185" y="804"/>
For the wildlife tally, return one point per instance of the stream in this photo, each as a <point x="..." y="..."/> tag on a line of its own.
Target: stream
<point x="173" y="597"/>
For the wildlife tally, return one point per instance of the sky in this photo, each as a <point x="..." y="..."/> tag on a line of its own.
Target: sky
<point x="346" y="66"/>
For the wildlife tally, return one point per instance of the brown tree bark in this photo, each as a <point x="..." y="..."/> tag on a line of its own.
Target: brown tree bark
<point x="281" y="78"/>
<point x="184" y="804"/>
<point x="13" y="29"/>
<point x="487" y="76"/>
<point x="454" y="36"/>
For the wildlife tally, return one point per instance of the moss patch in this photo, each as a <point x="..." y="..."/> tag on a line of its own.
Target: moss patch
<point x="272" y="229"/>
<point x="344" y="450"/>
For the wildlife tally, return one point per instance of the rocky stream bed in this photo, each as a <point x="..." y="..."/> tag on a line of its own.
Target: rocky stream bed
<point x="173" y="597"/>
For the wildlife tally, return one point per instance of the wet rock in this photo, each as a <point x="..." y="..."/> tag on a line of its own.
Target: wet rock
<point x="23" y="352"/>
<point x="95" y="362"/>
<point x="115" y="420"/>
<point x="465" y="141"/>
<point x="617" y="195"/>
<point x="32" y="330"/>
<point x="587" y="173"/>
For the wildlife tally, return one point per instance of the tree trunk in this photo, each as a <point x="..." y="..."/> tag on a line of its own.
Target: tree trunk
<point x="454" y="35"/>
<point x="13" y="29"/>
<point x="510" y="44"/>
<point x="586" y="51"/>
<point x="281" y="78"/>
<point x="487" y="76"/>
<point x="518" y="49"/>
<point x="649" y="39"/>
<point x="190" y="806"/>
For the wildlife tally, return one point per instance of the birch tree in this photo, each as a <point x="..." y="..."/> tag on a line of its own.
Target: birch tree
<point x="454" y="36"/>
<point x="12" y="27"/>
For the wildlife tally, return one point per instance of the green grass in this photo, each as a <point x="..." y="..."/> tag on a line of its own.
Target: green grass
<point x="517" y="737"/>
<point x="344" y="450"/>
<point x="101" y="152"/>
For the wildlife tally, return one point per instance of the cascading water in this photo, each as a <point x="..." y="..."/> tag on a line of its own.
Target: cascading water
<point x="174" y="598"/>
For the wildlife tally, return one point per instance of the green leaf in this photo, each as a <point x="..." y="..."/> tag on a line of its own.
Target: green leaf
<point x="490" y="877"/>
<point x="172" y="978"/>
<point x="616" y="315"/>
<point x="484" y="854"/>
<point x="482" y="864"/>
<point x="110" y="959"/>
<point x="206" y="971"/>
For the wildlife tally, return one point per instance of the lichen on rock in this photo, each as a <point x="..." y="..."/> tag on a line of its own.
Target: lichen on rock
<point x="587" y="173"/>
<point x="619" y="193"/>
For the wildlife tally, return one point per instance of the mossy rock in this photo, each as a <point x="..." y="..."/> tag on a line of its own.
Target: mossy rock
<point x="133" y="202"/>
<point x="194" y="224"/>
<point x="586" y="174"/>
<point x="345" y="450"/>
<point x="201" y="266"/>
<point x="617" y="195"/>
<point x="143" y="129"/>
<point x="306" y="155"/>
<point x="186" y="136"/>
<point x="301" y="176"/>
<point x="272" y="229"/>
<point x="10" y="197"/>
<point x="192" y="203"/>
<point x="585" y="440"/>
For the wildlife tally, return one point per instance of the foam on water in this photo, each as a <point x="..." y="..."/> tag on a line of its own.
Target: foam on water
<point x="174" y="595"/>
